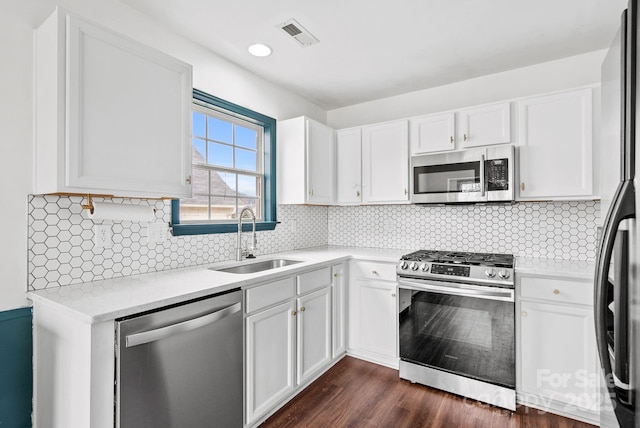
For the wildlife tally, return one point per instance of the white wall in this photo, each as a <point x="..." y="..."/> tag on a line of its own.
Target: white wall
<point x="551" y="76"/>
<point x="15" y="156"/>
<point x="18" y="18"/>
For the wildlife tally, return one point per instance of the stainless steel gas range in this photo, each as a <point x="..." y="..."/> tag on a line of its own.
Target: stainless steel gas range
<point x="457" y="325"/>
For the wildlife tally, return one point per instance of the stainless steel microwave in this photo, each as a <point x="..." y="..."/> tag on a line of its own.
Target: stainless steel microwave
<point x="474" y="175"/>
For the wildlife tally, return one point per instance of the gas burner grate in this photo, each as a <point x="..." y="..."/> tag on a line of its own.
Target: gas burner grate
<point x="458" y="257"/>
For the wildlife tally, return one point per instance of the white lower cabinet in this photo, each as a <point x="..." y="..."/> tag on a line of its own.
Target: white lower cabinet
<point x="269" y="362"/>
<point x="288" y="343"/>
<point x="314" y="333"/>
<point x="373" y="313"/>
<point x="558" y="368"/>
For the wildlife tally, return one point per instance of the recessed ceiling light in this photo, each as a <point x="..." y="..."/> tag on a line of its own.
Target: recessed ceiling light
<point x="259" y="49"/>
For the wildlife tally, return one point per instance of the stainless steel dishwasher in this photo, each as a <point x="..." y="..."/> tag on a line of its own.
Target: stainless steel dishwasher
<point x="181" y="366"/>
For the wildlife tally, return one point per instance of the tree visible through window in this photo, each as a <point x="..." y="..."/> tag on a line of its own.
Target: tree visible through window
<point x="227" y="173"/>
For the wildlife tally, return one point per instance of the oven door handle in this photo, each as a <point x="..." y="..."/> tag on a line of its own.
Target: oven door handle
<point x="491" y="293"/>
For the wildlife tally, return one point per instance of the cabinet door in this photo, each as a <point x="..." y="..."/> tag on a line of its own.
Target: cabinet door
<point x="558" y="353"/>
<point x="374" y="320"/>
<point x="320" y="163"/>
<point x="433" y="133"/>
<point x="129" y="116"/>
<point x="269" y="358"/>
<point x="314" y="333"/>
<point x="385" y="163"/>
<point x="556" y="146"/>
<point x="349" y="166"/>
<point x="339" y="309"/>
<point x="486" y="125"/>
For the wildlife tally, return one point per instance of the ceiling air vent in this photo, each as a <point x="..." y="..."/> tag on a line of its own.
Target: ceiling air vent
<point x="298" y="32"/>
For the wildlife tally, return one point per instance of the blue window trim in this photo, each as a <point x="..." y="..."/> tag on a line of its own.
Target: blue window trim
<point x="270" y="221"/>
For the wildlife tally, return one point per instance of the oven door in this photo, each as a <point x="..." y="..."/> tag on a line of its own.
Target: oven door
<point x="449" y="177"/>
<point x="463" y="329"/>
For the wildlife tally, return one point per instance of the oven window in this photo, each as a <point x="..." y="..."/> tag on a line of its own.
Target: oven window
<point x="450" y="178"/>
<point x="467" y="336"/>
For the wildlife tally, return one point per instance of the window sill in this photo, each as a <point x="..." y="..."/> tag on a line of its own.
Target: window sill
<point x="206" y="229"/>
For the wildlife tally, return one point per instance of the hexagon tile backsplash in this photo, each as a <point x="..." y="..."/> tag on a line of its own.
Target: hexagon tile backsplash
<point x="61" y="250"/>
<point x="553" y="230"/>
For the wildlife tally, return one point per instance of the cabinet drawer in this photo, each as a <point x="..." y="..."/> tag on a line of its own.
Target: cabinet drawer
<point x="268" y="294"/>
<point x="313" y="280"/>
<point x="375" y="270"/>
<point x="555" y="289"/>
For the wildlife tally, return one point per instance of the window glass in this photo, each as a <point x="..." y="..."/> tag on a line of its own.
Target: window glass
<point x="246" y="137"/>
<point x="199" y="125"/>
<point x="227" y="171"/>
<point x="220" y="155"/>
<point x="246" y="159"/>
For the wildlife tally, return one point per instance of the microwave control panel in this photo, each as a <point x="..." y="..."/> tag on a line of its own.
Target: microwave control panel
<point x="497" y="174"/>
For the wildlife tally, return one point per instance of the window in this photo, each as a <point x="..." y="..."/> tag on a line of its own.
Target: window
<point x="233" y="167"/>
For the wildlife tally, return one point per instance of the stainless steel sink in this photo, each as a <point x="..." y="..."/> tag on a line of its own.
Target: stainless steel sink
<point x="257" y="266"/>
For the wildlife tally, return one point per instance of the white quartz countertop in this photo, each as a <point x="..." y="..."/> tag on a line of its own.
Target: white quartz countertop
<point x="109" y="299"/>
<point x="553" y="267"/>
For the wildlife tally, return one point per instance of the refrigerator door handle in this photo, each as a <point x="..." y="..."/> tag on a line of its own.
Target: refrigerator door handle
<point x="622" y="208"/>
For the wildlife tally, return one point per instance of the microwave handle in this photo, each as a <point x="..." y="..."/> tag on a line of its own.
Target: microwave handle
<point x="482" y="178"/>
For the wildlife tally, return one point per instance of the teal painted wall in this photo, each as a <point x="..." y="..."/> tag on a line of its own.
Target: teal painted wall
<point x="16" y="368"/>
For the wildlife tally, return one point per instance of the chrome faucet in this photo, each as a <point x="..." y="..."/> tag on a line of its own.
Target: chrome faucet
<point x="248" y="252"/>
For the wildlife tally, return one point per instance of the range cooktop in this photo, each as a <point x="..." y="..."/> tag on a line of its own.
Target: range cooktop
<point x="483" y="268"/>
<point x="455" y="257"/>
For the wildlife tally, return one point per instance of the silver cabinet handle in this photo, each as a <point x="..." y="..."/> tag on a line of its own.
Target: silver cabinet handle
<point x="182" y="327"/>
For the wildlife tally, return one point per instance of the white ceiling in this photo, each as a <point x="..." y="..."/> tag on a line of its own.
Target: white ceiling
<point x="371" y="49"/>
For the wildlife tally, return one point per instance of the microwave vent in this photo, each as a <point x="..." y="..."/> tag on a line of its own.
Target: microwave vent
<point x="298" y="33"/>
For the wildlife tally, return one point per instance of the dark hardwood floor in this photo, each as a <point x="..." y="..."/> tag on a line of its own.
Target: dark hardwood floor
<point x="356" y="393"/>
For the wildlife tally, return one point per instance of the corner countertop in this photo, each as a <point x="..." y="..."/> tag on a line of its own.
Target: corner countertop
<point x="108" y="299"/>
<point x="553" y="267"/>
<point x="105" y="300"/>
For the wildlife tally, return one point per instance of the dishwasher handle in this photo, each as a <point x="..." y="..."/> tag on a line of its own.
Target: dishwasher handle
<point x="182" y="327"/>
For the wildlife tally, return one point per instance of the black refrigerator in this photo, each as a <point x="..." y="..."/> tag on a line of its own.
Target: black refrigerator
<point x="616" y="288"/>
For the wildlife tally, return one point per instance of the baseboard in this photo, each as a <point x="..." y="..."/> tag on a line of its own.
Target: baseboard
<point x="382" y="360"/>
<point x="545" y="404"/>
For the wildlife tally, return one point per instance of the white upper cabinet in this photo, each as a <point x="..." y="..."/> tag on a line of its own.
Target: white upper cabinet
<point x="433" y="133"/>
<point x="306" y="162"/>
<point x="385" y="163"/>
<point x="349" y="166"/>
<point x="556" y="146"/>
<point x="485" y="125"/>
<point x="113" y="116"/>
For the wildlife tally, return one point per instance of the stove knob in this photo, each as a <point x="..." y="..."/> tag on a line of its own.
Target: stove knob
<point x="414" y="266"/>
<point x="424" y="267"/>
<point x="490" y="272"/>
<point x="403" y="265"/>
<point x="504" y="274"/>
